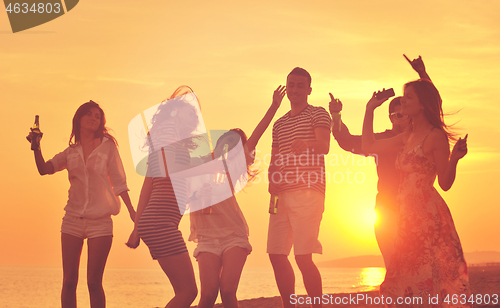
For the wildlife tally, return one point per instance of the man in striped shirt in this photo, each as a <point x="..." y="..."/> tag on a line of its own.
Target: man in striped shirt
<point x="301" y="139"/>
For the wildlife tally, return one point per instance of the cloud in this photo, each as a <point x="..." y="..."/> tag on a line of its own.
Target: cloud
<point x="481" y="155"/>
<point x="118" y="80"/>
<point x="132" y="81"/>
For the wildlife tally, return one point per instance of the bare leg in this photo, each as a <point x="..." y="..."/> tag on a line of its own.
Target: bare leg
<point x="311" y="277"/>
<point x="71" y="252"/>
<point x="98" y="251"/>
<point x="179" y="271"/>
<point x="284" y="276"/>
<point x="210" y="267"/>
<point x="233" y="261"/>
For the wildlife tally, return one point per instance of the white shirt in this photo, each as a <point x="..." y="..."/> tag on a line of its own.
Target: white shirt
<point x="96" y="184"/>
<point x="225" y="220"/>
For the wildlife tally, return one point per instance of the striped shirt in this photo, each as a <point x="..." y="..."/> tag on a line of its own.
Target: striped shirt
<point x="166" y="149"/>
<point x="158" y="224"/>
<point x="305" y="170"/>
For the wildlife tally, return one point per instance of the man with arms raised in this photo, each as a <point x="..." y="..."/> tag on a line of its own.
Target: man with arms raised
<point x="301" y="138"/>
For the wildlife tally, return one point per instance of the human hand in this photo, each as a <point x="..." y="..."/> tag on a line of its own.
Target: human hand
<point x="134" y="240"/>
<point x="278" y="95"/>
<point x="335" y="105"/>
<point x="459" y="150"/>
<point x="374" y="102"/>
<point x="30" y="136"/>
<point x="298" y="146"/>
<point x="226" y="150"/>
<point x="417" y="64"/>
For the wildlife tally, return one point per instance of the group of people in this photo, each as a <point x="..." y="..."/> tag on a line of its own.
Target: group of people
<point x="416" y="234"/>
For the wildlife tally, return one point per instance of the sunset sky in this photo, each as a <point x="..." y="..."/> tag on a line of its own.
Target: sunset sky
<point x="130" y="55"/>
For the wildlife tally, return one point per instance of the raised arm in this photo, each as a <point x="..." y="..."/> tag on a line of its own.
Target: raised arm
<point x="419" y="67"/>
<point x="347" y="141"/>
<point x="278" y="95"/>
<point x="369" y="144"/>
<point x="42" y="166"/>
<point x="250" y="145"/>
<point x="344" y="138"/>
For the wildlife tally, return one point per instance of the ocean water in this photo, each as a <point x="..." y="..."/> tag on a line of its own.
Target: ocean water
<point x="27" y="287"/>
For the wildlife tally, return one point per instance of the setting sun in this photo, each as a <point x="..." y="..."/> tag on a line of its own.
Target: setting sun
<point x="234" y="55"/>
<point x="372" y="217"/>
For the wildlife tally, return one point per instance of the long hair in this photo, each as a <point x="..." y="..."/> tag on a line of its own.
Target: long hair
<point x="101" y="131"/>
<point x="429" y="98"/>
<point x="168" y="110"/>
<point x="252" y="173"/>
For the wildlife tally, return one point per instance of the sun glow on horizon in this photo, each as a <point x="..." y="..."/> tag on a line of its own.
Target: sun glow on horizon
<point x="371" y="217"/>
<point x="234" y="55"/>
<point x="372" y="276"/>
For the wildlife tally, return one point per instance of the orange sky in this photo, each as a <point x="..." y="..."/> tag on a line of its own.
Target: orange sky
<point x="129" y="55"/>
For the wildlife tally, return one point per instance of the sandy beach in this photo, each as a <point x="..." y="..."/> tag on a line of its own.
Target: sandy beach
<point x="483" y="280"/>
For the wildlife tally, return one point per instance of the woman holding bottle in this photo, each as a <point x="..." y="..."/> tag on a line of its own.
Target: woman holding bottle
<point x="97" y="178"/>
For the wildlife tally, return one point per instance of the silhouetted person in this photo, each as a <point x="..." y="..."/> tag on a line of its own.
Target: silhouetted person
<point x="301" y="138"/>
<point x="96" y="178"/>
<point x="388" y="176"/>
<point x="428" y="258"/>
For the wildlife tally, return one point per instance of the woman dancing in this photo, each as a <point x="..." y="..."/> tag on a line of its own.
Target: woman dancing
<point x="222" y="235"/>
<point x="429" y="260"/>
<point x="96" y="178"/>
<point x="160" y="208"/>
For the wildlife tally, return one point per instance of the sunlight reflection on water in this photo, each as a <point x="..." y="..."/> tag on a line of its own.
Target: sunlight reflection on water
<point x="26" y="287"/>
<point x="372" y="276"/>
